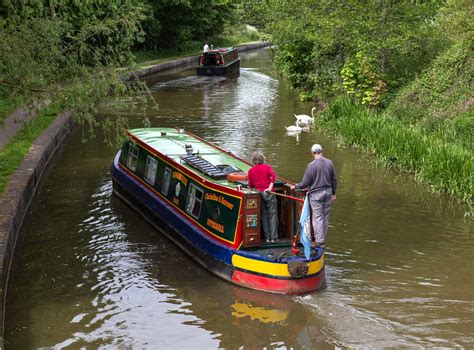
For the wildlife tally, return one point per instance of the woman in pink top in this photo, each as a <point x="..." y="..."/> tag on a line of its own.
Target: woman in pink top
<point x="262" y="177"/>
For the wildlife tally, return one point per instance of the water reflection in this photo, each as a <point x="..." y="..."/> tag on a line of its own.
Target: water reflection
<point x="139" y="292"/>
<point x="92" y="273"/>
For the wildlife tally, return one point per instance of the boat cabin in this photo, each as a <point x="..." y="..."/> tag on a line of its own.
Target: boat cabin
<point x="196" y="194"/>
<point x="208" y="185"/>
<point x="223" y="61"/>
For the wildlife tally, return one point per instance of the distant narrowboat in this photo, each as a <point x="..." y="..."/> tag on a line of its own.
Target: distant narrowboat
<point x="219" y="62"/>
<point x="196" y="194"/>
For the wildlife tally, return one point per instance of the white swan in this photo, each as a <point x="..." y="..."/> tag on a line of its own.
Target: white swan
<point x="305" y="120"/>
<point x="293" y="128"/>
<point x="294" y="134"/>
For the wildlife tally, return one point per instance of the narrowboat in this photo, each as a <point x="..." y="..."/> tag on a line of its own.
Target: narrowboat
<point x="224" y="61"/>
<point x="196" y="194"/>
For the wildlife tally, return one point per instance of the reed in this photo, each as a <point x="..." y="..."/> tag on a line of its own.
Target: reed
<point x="433" y="157"/>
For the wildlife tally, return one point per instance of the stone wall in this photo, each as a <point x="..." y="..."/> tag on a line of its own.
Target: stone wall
<point x="15" y="201"/>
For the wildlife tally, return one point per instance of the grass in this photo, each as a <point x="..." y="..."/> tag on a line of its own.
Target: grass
<point x="13" y="153"/>
<point x="445" y="165"/>
<point x="442" y="94"/>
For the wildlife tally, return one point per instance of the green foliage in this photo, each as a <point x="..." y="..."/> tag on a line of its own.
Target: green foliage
<point x="446" y="166"/>
<point x="92" y="32"/>
<point x="361" y="79"/>
<point x="369" y="50"/>
<point x="252" y="12"/>
<point x="315" y="38"/>
<point x="230" y="37"/>
<point x="455" y="20"/>
<point x="442" y="92"/>
<point x="176" y="22"/>
<point x="234" y="35"/>
<point x="68" y="53"/>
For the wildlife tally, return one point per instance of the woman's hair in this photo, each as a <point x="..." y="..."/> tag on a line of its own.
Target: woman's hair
<point x="257" y="158"/>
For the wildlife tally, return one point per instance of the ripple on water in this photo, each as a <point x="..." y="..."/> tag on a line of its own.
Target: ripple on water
<point x="92" y="274"/>
<point x="129" y="301"/>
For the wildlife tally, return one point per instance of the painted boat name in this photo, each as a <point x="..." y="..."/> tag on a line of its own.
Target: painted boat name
<point x="180" y="177"/>
<point x="219" y="199"/>
<point x="215" y="225"/>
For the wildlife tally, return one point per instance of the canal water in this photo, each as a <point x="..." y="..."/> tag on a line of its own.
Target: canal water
<point x="90" y="273"/>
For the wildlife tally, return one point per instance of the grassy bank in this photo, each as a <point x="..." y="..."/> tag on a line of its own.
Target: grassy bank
<point x="12" y="154"/>
<point x="432" y="157"/>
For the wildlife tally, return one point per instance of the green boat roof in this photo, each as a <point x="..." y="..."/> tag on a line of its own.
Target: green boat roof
<point x="172" y="143"/>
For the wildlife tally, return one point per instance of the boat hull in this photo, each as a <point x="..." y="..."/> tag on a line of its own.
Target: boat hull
<point x="233" y="265"/>
<point x="232" y="68"/>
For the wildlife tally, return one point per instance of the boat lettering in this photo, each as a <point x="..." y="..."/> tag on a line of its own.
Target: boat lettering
<point x="215" y="225"/>
<point x="180" y="177"/>
<point x="226" y="203"/>
<point x="212" y="197"/>
<point x="219" y="199"/>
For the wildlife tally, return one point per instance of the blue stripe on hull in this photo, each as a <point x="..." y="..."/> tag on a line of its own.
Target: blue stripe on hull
<point x="190" y="235"/>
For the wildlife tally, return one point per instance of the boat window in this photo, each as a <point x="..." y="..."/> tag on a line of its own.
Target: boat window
<point x="210" y="59"/>
<point x="150" y="170"/>
<point x="132" y="157"/>
<point x="194" y="202"/>
<point x="166" y="181"/>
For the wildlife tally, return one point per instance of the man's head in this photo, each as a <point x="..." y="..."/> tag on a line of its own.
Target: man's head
<point x="316" y="149"/>
<point x="257" y="158"/>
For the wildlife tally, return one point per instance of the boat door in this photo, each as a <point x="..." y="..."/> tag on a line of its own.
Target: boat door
<point x="251" y="235"/>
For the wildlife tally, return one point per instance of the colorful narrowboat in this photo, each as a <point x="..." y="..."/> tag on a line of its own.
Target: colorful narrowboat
<point x="196" y="194"/>
<point x="224" y="61"/>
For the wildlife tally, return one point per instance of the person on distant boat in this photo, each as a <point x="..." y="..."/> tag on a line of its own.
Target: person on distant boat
<point x="262" y="177"/>
<point x="320" y="179"/>
<point x="206" y="47"/>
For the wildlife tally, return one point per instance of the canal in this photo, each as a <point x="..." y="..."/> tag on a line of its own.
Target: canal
<point x="89" y="272"/>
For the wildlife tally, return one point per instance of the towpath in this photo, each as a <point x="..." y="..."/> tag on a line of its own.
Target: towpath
<point x="13" y="124"/>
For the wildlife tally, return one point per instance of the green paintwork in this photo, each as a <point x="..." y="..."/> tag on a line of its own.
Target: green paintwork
<point x="219" y="211"/>
<point x="173" y="145"/>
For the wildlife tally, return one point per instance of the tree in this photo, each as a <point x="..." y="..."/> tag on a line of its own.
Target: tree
<point x="177" y="22"/>
<point x="68" y="53"/>
<point x="315" y="38"/>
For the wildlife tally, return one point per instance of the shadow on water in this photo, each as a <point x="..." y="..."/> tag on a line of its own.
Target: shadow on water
<point x="91" y="273"/>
